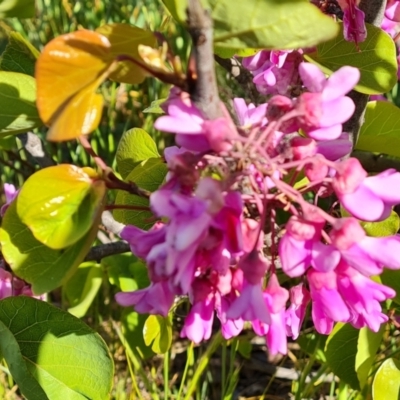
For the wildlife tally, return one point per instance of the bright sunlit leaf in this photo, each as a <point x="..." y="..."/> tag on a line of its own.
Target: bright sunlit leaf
<point x="68" y="72"/>
<point x="125" y="40"/>
<point x="59" y="204"/>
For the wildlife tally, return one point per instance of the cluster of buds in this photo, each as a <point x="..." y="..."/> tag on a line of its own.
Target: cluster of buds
<point x="244" y="206"/>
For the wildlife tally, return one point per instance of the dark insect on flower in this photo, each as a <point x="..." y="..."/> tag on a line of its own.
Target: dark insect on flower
<point x="331" y="7"/>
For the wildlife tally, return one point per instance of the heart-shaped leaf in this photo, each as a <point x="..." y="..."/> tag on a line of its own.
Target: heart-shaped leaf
<point x="66" y="357"/>
<point x="376" y="59"/>
<point x="125" y="40"/>
<point x="44" y="268"/>
<point x="380" y="132"/>
<point x="68" y="72"/>
<point x="17" y="103"/>
<point x="59" y="204"/>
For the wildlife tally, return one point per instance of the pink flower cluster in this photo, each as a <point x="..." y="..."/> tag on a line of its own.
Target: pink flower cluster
<point x="218" y="240"/>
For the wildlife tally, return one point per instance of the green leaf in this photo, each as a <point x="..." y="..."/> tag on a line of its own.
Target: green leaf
<point x="376" y="59"/>
<point x="391" y="278"/>
<point x="341" y="351"/>
<point x="82" y="288"/>
<point x="387" y="381"/>
<point x="135" y="146"/>
<point x="19" y="55"/>
<point x="132" y="328"/>
<point x="313" y="344"/>
<point x="59" y="204"/>
<point x="126" y="272"/>
<point x="17" y="8"/>
<point x="388" y="227"/>
<point x="226" y="52"/>
<point x="148" y="175"/>
<point x="66" y="357"/>
<point x="380" y="133"/>
<point x="158" y="330"/>
<point x="17" y="103"/>
<point x="269" y="24"/>
<point x="367" y="346"/>
<point x="11" y="352"/>
<point x="44" y="268"/>
<point x="155" y="108"/>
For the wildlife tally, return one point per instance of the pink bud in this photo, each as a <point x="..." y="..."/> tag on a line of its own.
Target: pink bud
<point x="278" y="106"/>
<point x="303" y="147"/>
<point x="349" y="176"/>
<point x="316" y="170"/>
<point x="254" y="266"/>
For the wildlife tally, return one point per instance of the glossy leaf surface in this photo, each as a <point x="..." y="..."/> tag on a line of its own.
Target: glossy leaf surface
<point x="44" y="268"/>
<point x="386" y="383"/>
<point x="124" y="40"/>
<point x="66" y="357"/>
<point x="59" y="204"/>
<point x="17" y="103"/>
<point x="380" y="132"/>
<point x="376" y="59"/>
<point x="68" y="72"/>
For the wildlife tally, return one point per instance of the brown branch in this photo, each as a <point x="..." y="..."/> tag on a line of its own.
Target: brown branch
<point x="35" y="149"/>
<point x="203" y="88"/>
<point x="374" y="10"/>
<point x="96" y="253"/>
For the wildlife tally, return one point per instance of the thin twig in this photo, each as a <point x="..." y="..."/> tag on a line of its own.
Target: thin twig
<point x="97" y="253"/>
<point x="34" y="147"/>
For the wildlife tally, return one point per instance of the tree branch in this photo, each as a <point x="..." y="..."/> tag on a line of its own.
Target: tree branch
<point x="374" y="10"/>
<point x="97" y="253"/>
<point x="34" y="147"/>
<point x="203" y="88"/>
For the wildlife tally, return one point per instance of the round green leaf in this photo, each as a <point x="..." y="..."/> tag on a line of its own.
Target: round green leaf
<point x="44" y="268"/>
<point x="390" y="226"/>
<point x="158" y="330"/>
<point x="148" y="175"/>
<point x="66" y="357"/>
<point x="59" y="204"/>
<point x="135" y="146"/>
<point x="386" y="383"/>
<point x="380" y="132"/>
<point x="17" y="103"/>
<point x="376" y="59"/>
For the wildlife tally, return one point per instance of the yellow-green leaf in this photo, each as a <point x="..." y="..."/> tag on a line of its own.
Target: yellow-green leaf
<point x="386" y="383"/>
<point x="157" y="332"/>
<point x="60" y="204"/>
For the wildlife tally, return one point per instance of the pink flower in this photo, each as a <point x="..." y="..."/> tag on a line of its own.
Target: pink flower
<point x="353" y="21"/>
<point x="377" y="194"/>
<point x="393" y="10"/>
<point x="155" y="299"/>
<point x="192" y="131"/>
<point x="294" y="317"/>
<point x="249" y="115"/>
<point x="11" y="193"/>
<point x="325" y="107"/>
<point x="363" y="296"/>
<point x="198" y="323"/>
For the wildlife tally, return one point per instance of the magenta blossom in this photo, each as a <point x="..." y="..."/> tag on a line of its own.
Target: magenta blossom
<point x="392" y="11"/>
<point x="325" y="107"/>
<point x="299" y="299"/>
<point x="192" y="131"/>
<point x="249" y="115"/>
<point x="377" y="194"/>
<point x="353" y="21"/>
<point x="11" y="193"/>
